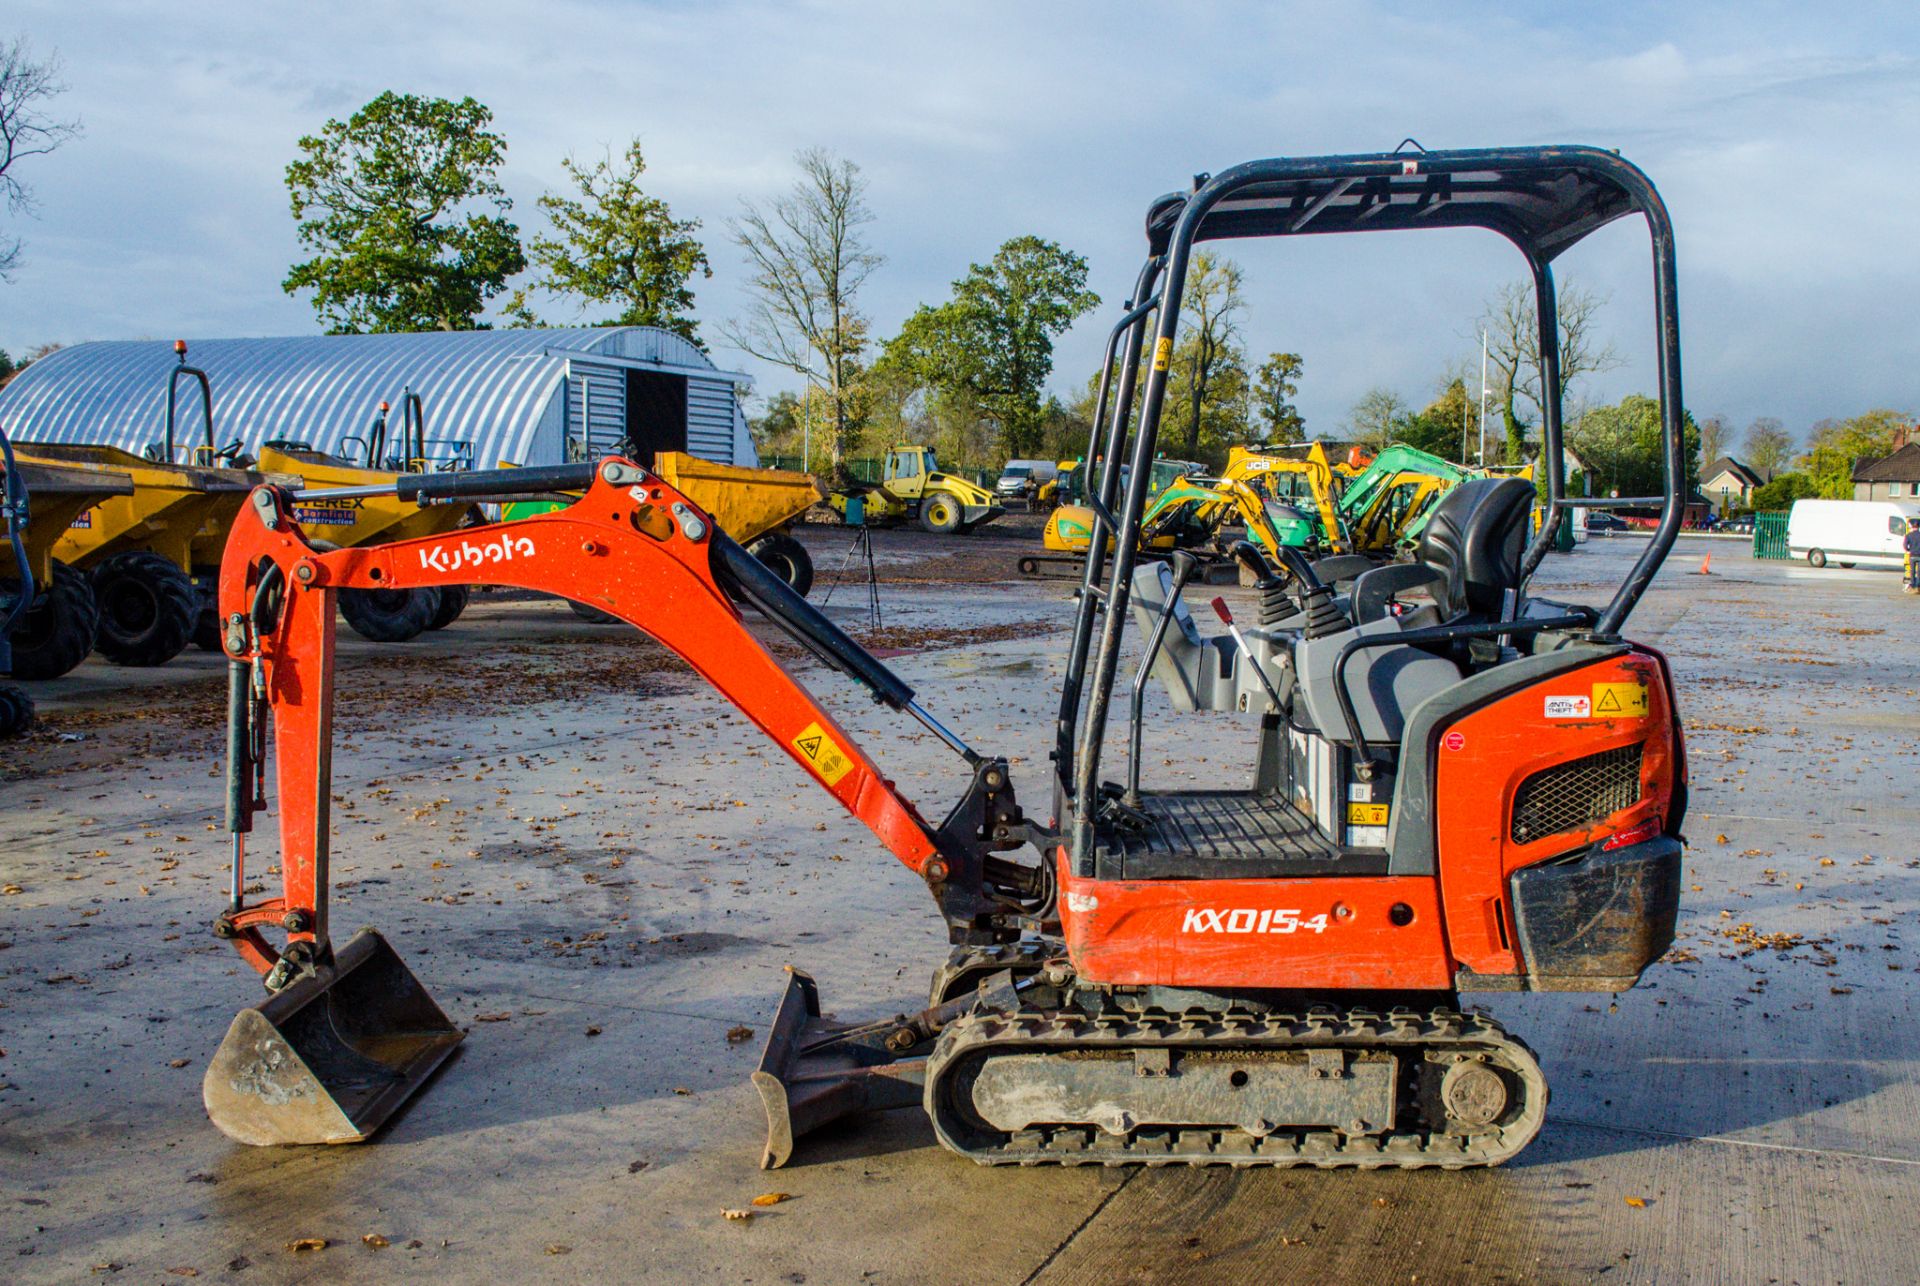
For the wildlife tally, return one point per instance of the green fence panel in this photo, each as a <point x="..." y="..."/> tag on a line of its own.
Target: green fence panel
<point x="1770" y="535"/>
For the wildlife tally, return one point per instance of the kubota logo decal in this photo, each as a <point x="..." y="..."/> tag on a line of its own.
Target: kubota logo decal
<point x="451" y="558"/>
<point x="1246" y="919"/>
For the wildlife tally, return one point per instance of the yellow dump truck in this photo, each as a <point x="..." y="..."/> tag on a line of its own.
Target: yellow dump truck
<point x="757" y="507"/>
<point x="48" y="616"/>
<point x="384" y="616"/>
<point x="153" y="555"/>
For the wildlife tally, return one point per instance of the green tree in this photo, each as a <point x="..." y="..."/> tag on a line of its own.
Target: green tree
<point x="1275" y="384"/>
<point x="1437" y="429"/>
<point x="1622" y="447"/>
<point x="1766" y="446"/>
<point x="1207" y="386"/>
<point x="406" y="220"/>
<point x="1783" y="491"/>
<point x="994" y="339"/>
<point x="1836" y="446"/>
<point x="809" y="259"/>
<point x="615" y="246"/>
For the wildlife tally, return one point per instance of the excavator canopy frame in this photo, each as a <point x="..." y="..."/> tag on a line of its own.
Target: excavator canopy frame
<point x="1544" y="200"/>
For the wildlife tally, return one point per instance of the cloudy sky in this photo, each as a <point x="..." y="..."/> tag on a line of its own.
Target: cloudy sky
<point x="1781" y="135"/>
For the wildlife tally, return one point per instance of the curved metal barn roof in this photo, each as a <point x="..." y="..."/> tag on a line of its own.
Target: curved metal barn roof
<point x="490" y="387"/>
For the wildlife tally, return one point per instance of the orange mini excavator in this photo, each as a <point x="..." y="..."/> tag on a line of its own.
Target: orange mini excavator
<point x="1455" y="786"/>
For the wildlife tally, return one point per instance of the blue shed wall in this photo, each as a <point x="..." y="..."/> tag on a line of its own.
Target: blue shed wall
<point x="505" y="392"/>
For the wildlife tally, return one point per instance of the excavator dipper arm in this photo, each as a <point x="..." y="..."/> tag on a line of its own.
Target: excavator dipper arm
<point x="632" y="546"/>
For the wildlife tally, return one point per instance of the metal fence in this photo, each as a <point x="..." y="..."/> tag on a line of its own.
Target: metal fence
<point x="1770" y="535"/>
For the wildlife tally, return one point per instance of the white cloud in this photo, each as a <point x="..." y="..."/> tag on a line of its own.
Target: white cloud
<point x="1778" y="138"/>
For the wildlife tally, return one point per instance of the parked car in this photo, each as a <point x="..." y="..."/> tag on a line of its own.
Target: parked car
<point x="1870" y="533"/>
<point x="1601" y="521"/>
<point x="1021" y="478"/>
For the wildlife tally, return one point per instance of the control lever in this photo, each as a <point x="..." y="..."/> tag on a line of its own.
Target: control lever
<point x="1185" y="568"/>
<point x="1248" y="555"/>
<point x="1313" y="596"/>
<point x="1226" y="618"/>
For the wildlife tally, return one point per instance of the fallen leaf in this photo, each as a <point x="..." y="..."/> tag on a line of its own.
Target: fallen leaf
<point x="108" y="1266"/>
<point x="726" y="1213"/>
<point x="11" y="889"/>
<point x="555" y="1248"/>
<point x="307" y="1243"/>
<point x="636" y="1167"/>
<point x="493" y="1018"/>
<point x="1719" y="839"/>
<point x="1638" y="1203"/>
<point x="375" y="1240"/>
<point x="239" y="1263"/>
<point x="176" y="1062"/>
<point x="681" y="1089"/>
<point x="593" y="1031"/>
<point x="737" y="1034"/>
<point x="772" y="1198"/>
<point x="184" y="1272"/>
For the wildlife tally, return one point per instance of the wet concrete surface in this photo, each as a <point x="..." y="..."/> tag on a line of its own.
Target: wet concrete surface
<point x="601" y="880"/>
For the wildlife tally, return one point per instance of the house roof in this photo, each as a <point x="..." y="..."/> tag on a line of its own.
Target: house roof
<point x="1902" y="466"/>
<point x="1727" y="464"/>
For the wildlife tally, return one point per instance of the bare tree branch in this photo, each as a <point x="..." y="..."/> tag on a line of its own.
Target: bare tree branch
<point x="809" y="261"/>
<point x="26" y="129"/>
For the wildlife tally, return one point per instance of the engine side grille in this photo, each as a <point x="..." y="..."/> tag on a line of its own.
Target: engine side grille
<point x="1577" y="793"/>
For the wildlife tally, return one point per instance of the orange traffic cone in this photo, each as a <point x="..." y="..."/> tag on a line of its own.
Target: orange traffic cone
<point x="1706" y="565"/>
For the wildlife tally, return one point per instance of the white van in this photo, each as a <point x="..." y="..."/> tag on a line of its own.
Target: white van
<point x="1869" y="533"/>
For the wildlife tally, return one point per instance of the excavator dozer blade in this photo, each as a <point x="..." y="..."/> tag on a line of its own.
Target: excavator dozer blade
<point x="810" y="1076"/>
<point x="331" y="1057"/>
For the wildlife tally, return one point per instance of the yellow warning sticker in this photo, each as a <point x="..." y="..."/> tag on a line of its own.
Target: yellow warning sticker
<point x="1619" y="701"/>
<point x="821" y="753"/>
<point x="1367" y="814"/>
<point x="1162" y="353"/>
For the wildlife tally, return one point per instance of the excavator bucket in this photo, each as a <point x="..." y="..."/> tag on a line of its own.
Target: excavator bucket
<point x="331" y="1057"/>
<point x="814" y="1071"/>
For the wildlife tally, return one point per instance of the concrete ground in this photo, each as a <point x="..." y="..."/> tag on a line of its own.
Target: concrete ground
<point x="599" y="870"/>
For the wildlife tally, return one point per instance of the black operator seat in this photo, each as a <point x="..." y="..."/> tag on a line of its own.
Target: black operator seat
<point x="1476" y="539"/>
<point x="1470" y="556"/>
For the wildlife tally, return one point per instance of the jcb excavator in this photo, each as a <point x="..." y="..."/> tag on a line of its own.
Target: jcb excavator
<point x="1472" y="790"/>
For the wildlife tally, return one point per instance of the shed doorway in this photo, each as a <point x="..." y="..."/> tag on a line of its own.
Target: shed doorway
<point x="656" y="414"/>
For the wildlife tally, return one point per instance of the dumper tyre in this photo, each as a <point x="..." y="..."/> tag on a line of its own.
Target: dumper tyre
<point x="1816" y="558"/>
<point x="206" y="630"/>
<point x="148" y="609"/>
<point x="592" y="615"/>
<point x="16" y="711"/>
<point x="941" y="515"/>
<point x="453" y="601"/>
<point x="58" y="631"/>
<point x="389" y="615"/>
<point x="788" y="559"/>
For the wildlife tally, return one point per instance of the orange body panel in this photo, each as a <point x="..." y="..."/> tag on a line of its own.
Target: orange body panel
<point x="1486" y="755"/>
<point x="1256" y="933"/>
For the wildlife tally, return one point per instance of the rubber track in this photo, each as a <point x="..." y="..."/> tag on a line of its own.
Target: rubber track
<point x="1400" y="1031"/>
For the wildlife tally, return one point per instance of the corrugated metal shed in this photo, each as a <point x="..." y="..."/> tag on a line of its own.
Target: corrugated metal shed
<point x="522" y="396"/>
